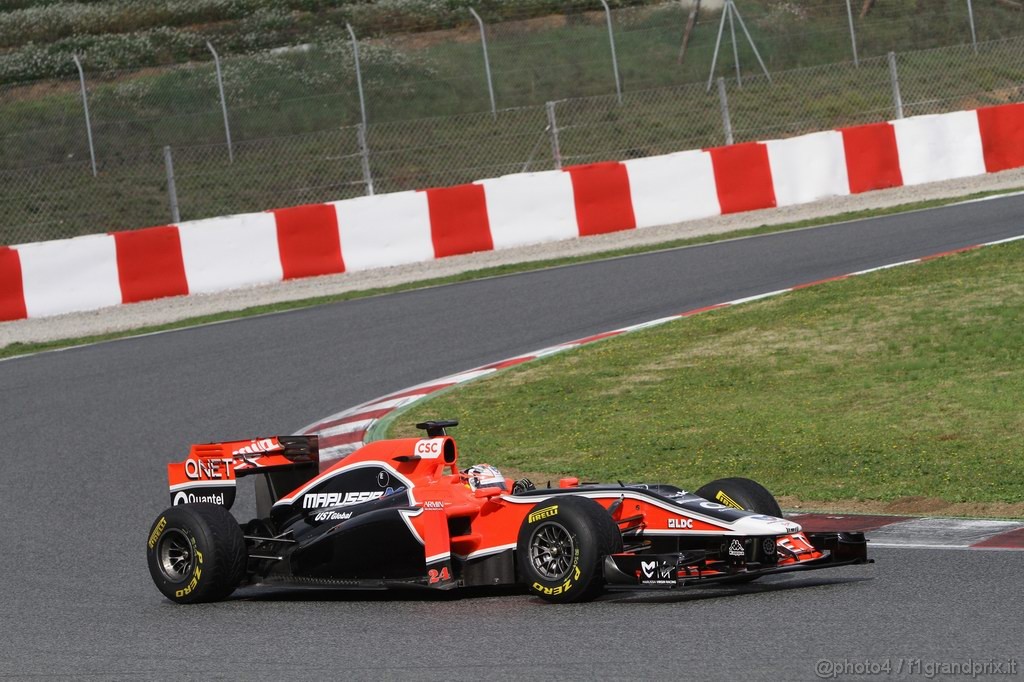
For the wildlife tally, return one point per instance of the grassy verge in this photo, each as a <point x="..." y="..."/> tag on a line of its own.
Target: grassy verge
<point x="16" y="349"/>
<point x="905" y="383"/>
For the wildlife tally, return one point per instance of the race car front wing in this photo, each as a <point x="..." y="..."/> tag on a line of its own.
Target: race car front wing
<point x="633" y="570"/>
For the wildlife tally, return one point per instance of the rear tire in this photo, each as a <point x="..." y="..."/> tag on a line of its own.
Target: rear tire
<point x="561" y="548"/>
<point x="741" y="493"/>
<point x="196" y="553"/>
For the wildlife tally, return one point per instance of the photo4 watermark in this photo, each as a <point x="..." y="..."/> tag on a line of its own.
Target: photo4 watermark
<point x="973" y="668"/>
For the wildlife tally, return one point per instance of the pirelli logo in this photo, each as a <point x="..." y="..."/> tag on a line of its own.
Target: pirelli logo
<point x="727" y="501"/>
<point x="542" y="514"/>
<point x="155" y="535"/>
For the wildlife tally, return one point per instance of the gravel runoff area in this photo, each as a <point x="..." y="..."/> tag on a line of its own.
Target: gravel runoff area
<point x="162" y="311"/>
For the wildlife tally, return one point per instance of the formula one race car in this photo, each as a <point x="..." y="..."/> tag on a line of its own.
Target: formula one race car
<point x="400" y="513"/>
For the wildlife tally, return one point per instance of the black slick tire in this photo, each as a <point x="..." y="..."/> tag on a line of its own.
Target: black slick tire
<point x="561" y="548"/>
<point x="196" y="553"/>
<point x="741" y="493"/>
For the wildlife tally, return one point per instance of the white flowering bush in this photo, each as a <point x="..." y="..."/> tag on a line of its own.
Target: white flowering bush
<point x="327" y="65"/>
<point x="41" y="35"/>
<point x="117" y="51"/>
<point x="781" y="13"/>
<point x="50" y="22"/>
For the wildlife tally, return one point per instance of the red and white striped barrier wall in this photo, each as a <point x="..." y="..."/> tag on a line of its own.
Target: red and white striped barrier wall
<point x="217" y="254"/>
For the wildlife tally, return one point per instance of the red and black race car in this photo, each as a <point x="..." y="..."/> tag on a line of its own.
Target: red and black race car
<point x="400" y="513"/>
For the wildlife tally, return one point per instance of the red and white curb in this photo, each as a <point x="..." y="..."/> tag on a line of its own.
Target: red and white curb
<point x="348" y="430"/>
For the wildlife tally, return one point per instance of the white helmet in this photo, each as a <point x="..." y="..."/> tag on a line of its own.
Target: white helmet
<point x="483" y="476"/>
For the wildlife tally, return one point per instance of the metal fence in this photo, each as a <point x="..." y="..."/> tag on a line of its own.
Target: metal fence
<point x="346" y="116"/>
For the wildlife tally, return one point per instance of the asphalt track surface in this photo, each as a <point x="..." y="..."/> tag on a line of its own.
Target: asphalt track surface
<point x="86" y="433"/>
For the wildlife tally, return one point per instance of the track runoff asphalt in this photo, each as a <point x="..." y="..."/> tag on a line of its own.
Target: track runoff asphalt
<point x="86" y="433"/>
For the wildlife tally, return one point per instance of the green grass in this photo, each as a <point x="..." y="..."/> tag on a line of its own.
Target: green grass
<point x="20" y="348"/>
<point x="901" y="383"/>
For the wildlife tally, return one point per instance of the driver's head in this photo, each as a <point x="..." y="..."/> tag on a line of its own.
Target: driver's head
<point x="483" y="476"/>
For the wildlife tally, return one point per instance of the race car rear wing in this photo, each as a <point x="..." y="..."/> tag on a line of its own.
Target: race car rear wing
<point x="210" y="472"/>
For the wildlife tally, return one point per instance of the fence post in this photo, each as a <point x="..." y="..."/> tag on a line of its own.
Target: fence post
<point x="735" y="49"/>
<point x="487" y="60"/>
<point x="359" y="72"/>
<point x="223" y="101"/>
<point x="723" y="100"/>
<point x="556" y="151"/>
<point x="85" y="107"/>
<point x="853" y="34"/>
<point x="897" y="98"/>
<point x="750" y="40"/>
<point x="172" y="190"/>
<point x="364" y="155"/>
<point x="611" y="42"/>
<point x="718" y="45"/>
<point x="970" y="16"/>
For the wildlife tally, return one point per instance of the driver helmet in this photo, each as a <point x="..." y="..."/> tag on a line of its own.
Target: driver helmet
<point x="483" y="476"/>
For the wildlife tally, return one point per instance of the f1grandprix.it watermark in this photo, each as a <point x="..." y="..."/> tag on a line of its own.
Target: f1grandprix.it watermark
<point x="830" y="669"/>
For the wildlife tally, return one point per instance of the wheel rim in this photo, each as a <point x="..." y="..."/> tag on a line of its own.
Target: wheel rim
<point x="552" y="550"/>
<point x="175" y="555"/>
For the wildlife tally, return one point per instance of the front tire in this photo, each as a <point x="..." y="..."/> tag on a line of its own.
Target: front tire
<point x="561" y="548"/>
<point x="741" y="493"/>
<point x="196" y="553"/>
